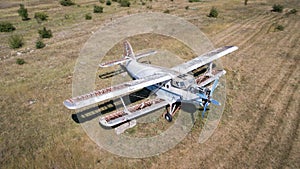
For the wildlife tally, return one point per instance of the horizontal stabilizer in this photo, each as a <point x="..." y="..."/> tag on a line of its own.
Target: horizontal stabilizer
<point x="152" y="52"/>
<point x="115" y="62"/>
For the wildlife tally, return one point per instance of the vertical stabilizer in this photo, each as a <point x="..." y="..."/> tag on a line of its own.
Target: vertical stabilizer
<point x="128" y="52"/>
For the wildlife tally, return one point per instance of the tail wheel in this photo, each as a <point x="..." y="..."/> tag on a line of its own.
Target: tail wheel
<point x="168" y="117"/>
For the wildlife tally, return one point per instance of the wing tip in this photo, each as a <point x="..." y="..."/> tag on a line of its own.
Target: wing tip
<point x="69" y="105"/>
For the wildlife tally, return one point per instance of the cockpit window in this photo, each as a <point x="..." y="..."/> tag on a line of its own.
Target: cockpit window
<point x="193" y="90"/>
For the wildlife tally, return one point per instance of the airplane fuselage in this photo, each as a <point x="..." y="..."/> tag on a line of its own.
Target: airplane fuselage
<point x="168" y="90"/>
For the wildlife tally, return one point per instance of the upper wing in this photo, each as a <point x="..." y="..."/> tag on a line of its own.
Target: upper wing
<point x="204" y="59"/>
<point x="114" y="91"/>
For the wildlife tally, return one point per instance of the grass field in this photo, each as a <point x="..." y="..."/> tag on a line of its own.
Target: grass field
<point x="260" y="124"/>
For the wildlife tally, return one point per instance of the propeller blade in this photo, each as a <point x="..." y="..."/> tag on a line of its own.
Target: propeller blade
<point x="204" y="109"/>
<point x="215" y="102"/>
<point x="214" y="86"/>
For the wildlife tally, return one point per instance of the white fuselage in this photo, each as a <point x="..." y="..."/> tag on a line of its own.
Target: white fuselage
<point x="168" y="90"/>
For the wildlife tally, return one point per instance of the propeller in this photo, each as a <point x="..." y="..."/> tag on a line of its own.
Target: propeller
<point x="209" y="99"/>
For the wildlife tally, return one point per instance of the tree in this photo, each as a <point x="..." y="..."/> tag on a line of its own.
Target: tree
<point x="108" y="2"/>
<point x="23" y="12"/>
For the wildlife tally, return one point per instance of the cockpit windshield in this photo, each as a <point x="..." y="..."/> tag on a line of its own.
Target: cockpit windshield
<point x="183" y="81"/>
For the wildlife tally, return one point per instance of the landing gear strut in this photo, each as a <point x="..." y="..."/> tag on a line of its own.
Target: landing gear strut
<point x="171" y="110"/>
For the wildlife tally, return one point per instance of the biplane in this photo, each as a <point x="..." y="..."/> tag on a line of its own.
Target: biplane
<point x="170" y="85"/>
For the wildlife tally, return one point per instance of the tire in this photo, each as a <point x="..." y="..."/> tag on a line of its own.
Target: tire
<point x="168" y="117"/>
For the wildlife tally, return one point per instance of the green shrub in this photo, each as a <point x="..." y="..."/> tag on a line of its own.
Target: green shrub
<point x="124" y="3"/>
<point x="187" y="8"/>
<point x="102" y="1"/>
<point x="22" y="11"/>
<point x="143" y="3"/>
<point x="20" y="61"/>
<point x="279" y="27"/>
<point x="88" y="16"/>
<point x="213" y="12"/>
<point x="108" y="2"/>
<point x="44" y="33"/>
<point x="98" y="9"/>
<point x="39" y="44"/>
<point x="15" y="41"/>
<point x="292" y="11"/>
<point x="6" y="27"/>
<point x="277" y="8"/>
<point x="194" y="1"/>
<point x="40" y="16"/>
<point x="167" y="11"/>
<point x="66" y="2"/>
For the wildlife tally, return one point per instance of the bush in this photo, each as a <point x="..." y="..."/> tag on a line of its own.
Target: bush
<point x="213" y="12"/>
<point x="187" y="8"/>
<point x="22" y="11"/>
<point x="124" y="3"/>
<point x="277" y="8"/>
<point x="6" y="27"/>
<point x="108" y="2"/>
<point x="39" y="44"/>
<point x="15" y="41"/>
<point x="66" y="2"/>
<point x="194" y="1"/>
<point x="293" y="11"/>
<point x="167" y="11"/>
<point x="88" y="16"/>
<point x="20" y="61"/>
<point x="279" y="27"/>
<point x="98" y="9"/>
<point x="44" y="33"/>
<point x="102" y="1"/>
<point x="40" y="16"/>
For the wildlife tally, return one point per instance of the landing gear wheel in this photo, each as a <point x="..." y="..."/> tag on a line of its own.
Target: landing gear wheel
<point x="168" y="117"/>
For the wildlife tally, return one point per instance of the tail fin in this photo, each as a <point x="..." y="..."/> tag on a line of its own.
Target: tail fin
<point x="128" y="52"/>
<point x="128" y="55"/>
